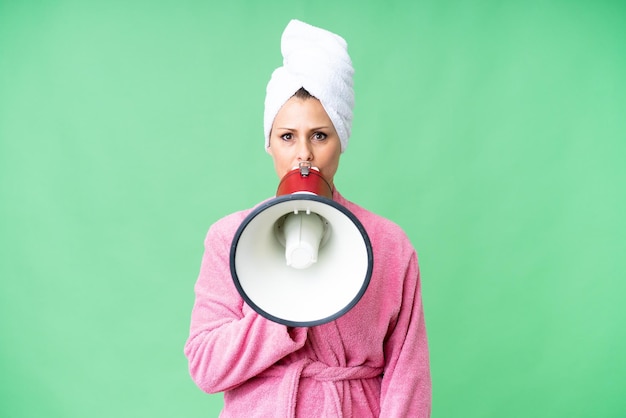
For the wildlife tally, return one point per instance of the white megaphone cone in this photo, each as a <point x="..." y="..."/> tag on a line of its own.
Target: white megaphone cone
<point x="301" y="259"/>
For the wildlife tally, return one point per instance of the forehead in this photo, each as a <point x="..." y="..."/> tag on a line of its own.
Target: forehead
<point x="302" y="111"/>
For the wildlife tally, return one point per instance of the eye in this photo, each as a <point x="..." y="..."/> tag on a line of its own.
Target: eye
<point x="319" y="136"/>
<point x="286" y="137"/>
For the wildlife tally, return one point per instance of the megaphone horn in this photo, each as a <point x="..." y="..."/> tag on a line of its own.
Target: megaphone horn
<point x="301" y="259"/>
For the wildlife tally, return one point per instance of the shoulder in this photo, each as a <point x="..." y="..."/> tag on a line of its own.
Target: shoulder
<point x="229" y="224"/>
<point x="224" y="229"/>
<point x="380" y="229"/>
<point x="230" y="221"/>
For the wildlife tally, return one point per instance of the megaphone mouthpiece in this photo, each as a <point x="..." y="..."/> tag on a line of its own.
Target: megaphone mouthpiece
<point x="304" y="179"/>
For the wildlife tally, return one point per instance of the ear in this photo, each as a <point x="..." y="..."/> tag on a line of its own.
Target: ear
<point x="269" y="145"/>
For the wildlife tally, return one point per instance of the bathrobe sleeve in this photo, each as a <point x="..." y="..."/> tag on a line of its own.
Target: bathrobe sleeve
<point x="230" y="343"/>
<point x="406" y="384"/>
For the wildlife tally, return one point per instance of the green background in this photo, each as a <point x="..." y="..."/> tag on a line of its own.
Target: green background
<point x="493" y="132"/>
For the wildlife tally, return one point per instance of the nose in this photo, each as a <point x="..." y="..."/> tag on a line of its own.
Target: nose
<point x="304" y="152"/>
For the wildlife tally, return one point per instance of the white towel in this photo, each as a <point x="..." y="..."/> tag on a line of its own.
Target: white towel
<point x="317" y="60"/>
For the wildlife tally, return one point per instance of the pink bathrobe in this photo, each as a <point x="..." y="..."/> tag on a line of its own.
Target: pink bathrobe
<point x="371" y="362"/>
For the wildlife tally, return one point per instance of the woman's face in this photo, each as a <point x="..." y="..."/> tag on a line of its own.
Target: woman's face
<point x="302" y="131"/>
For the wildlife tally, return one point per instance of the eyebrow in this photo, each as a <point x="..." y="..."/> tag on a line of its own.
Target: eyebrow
<point x="295" y="129"/>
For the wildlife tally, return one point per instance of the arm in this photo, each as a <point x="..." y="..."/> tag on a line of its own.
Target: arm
<point x="229" y="343"/>
<point x="406" y="385"/>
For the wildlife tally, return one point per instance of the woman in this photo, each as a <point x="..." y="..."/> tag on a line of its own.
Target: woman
<point x="373" y="361"/>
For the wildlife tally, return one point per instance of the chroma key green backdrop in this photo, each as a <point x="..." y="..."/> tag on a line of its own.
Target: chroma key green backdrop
<point x="493" y="132"/>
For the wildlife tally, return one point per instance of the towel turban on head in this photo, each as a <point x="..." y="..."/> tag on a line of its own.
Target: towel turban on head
<point x="318" y="61"/>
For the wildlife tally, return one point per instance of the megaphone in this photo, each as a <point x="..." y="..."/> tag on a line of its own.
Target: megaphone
<point x="301" y="259"/>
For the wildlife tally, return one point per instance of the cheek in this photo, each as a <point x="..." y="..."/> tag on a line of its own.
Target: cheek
<point x="282" y="164"/>
<point x="330" y="165"/>
<point x="331" y="171"/>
